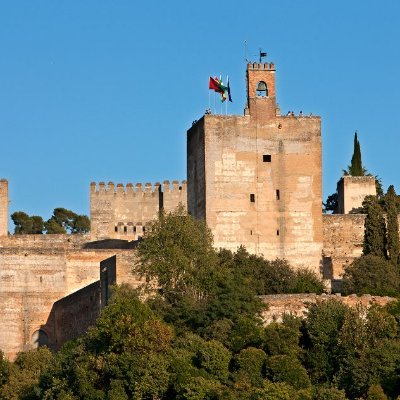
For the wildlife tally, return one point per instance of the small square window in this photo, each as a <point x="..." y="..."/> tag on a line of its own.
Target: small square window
<point x="278" y="196"/>
<point x="252" y="198"/>
<point x="267" y="158"/>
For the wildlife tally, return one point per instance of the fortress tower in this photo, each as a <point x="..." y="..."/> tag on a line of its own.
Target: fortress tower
<point x="3" y="207"/>
<point x="124" y="212"/>
<point x="257" y="179"/>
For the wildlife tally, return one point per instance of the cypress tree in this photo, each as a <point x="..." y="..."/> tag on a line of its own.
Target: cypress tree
<point x="356" y="168"/>
<point x="393" y="245"/>
<point x="375" y="229"/>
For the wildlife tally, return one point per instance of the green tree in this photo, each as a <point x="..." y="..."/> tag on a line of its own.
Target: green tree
<point x="274" y="391"/>
<point x="249" y="367"/>
<point x="393" y="244"/>
<point x="356" y="168"/>
<point x="288" y="369"/>
<point x="63" y="221"/>
<point x="331" y="203"/>
<point x="374" y="229"/>
<point x="52" y="227"/>
<point x="371" y="275"/>
<point x="375" y="392"/>
<point x="125" y="355"/>
<point x="369" y="351"/>
<point x="282" y="338"/>
<point x="197" y="287"/>
<point x="328" y="393"/>
<point x="25" y="224"/>
<point x="320" y="339"/>
<point x="24" y="374"/>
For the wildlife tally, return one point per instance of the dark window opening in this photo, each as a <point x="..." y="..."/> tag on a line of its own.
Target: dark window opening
<point x="134" y="229"/>
<point x="125" y="229"/>
<point x="251" y="232"/>
<point x="277" y="232"/>
<point x="144" y="229"/>
<point x="252" y="198"/>
<point x="116" y="229"/>
<point x="267" y="158"/>
<point x="262" y="90"/>
<point x="278" y="196"/>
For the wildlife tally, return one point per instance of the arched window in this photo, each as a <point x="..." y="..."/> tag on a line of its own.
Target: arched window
<point x="39" y="339"/>
<point x="262" y="90"/>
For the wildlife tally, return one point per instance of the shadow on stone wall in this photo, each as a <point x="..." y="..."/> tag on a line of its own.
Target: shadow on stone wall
<point x="71" y="316"/>
<point x="110" y="244"/>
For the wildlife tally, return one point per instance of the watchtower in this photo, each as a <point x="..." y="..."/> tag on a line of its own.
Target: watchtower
<point x="3" y="207"/>
<point x="257" y="179"/>
<point x="261" y="100"/>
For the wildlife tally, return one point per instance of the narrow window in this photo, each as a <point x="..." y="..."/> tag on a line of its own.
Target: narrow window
<point x="144" y="229"/>
<point x="267" y="158"/>
<point x="277" y="232"/>
<point x="116" y="229"/>
<point x="125" y="229"/>
<point x="134" y="229"/>
<point x="278" y="196"/>
<point x="252" y="198"/>
<point x="251" y="232"/>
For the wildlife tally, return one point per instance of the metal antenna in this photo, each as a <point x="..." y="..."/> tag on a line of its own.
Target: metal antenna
<point x="245" y="51"/>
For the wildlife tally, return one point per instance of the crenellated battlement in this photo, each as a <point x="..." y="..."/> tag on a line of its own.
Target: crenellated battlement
<point x="118" y="210"/>
<point x="261" y="66"/>
<point x="174" y="187"/>
<point x="124" y="190"/>
<point x="137" y="189"/>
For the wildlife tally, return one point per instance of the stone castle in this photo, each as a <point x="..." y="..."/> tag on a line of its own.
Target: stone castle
<point x="256" y="180"/>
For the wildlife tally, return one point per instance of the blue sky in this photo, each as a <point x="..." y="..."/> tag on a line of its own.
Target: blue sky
<point x="101" y="90"/>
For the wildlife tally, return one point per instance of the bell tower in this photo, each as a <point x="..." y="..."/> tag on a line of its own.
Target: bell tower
<point x="261" y="98"/>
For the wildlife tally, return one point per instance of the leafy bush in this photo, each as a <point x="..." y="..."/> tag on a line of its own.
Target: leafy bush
<point x="371" y="275"/>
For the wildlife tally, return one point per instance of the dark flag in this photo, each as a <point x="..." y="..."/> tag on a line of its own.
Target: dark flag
<point x="228" y="89"/>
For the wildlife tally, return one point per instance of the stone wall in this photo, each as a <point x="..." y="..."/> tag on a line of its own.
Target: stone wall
<point x="297" y="304"/>
<point x="38" y="270"/>
<point x="343" y="239"/>
<point x="124" y="212"/>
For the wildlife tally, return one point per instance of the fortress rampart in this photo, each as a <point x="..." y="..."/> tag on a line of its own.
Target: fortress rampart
<point x="39" y="270"/>
<point x="297" y="304"/>
<point x="124" y="212"/>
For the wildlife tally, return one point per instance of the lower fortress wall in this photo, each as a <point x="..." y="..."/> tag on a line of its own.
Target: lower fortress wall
<point x="343" y="242"/>
<point x="278" y="305"/>
<point x="39" y="273"/>
<point x="36" y="271"/>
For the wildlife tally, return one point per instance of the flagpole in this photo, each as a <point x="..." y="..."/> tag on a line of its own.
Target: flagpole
<point x="215" y="103"/>
<point x="226" y="105"/>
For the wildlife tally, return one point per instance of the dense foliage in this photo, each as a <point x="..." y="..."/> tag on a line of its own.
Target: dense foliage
<point x="62" y="221"/>
<point x="194" y="333"/>
<point x="336" y="352"/>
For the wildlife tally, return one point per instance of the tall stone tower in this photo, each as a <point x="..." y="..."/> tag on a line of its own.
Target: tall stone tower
<point x="3" y="207"/>
<point x="257" y="179"/>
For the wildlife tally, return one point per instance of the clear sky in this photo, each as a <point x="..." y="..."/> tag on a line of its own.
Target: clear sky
<point x="100" y="90"/>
